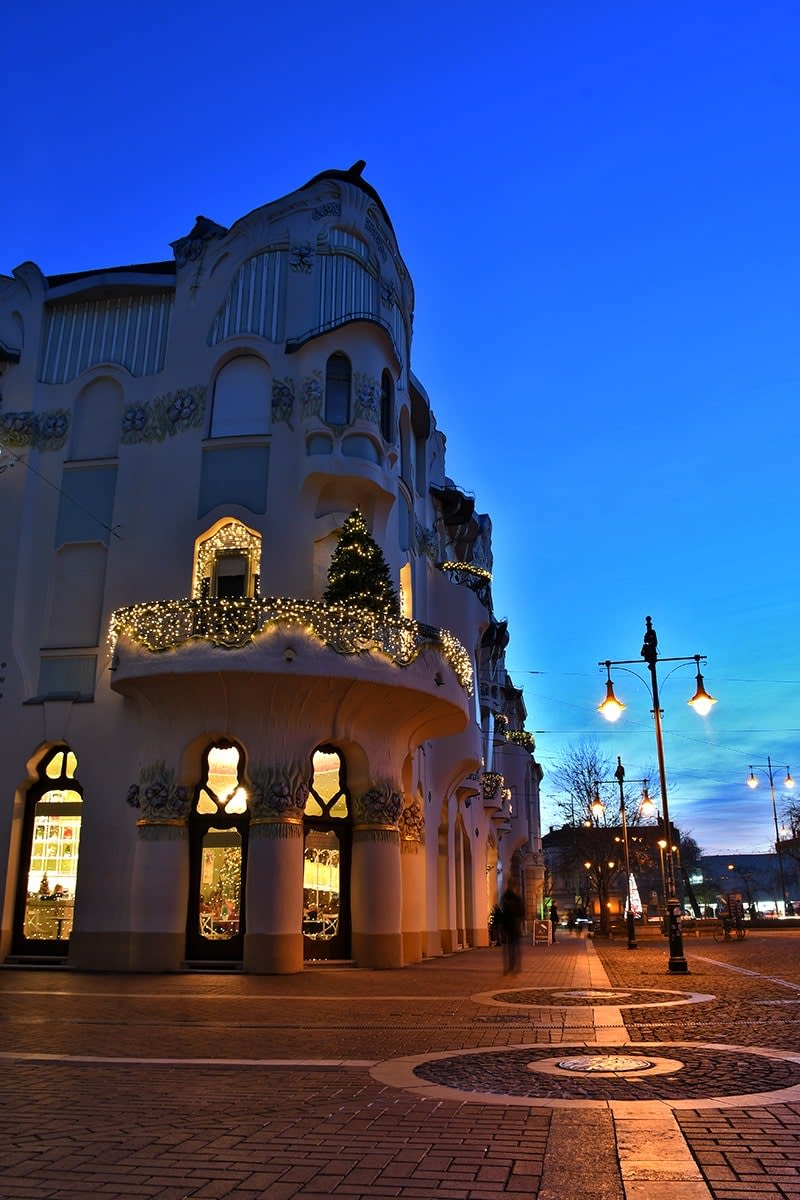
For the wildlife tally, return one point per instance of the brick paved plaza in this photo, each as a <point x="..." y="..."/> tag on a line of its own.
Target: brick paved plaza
<point x="443" y="1081"/>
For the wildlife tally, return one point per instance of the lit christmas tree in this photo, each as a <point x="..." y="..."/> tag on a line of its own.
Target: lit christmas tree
<point x="359" y="574"/>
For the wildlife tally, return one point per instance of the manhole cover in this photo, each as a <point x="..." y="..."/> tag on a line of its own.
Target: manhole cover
<point x="605" y="1062"/>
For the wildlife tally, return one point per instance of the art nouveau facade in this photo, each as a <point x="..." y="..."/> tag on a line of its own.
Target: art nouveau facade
<point x="203" y="762"/>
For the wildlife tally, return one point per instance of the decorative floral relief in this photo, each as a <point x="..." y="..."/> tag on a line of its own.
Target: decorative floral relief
<point x="280" y="791"/>
<point x="164" y="416"/>
<point x="412" y="822"/>
<point x="388" y="293"/>
<point x="380" y="805"/>
<point x="301" y="258"/>
<point x="332" y="209"/>
<point x="282" y="399"/>
<point x="312" y="394"/>
<point x="380" y="240"/>
<point x="44" y="431"/>
<point x="157" y="797"/>
<point x="427" y="540"/>
<point x="368" y="397"/>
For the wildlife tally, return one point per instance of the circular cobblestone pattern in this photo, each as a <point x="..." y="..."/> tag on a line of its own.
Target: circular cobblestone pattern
<point x="583" y="997"/>
<point x="700" y="1072"/>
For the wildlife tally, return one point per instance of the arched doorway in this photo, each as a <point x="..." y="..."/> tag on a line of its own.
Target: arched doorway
<point x="48" y="868"/>
<point x="218" y="830"/>
<point x="327" y="853"/>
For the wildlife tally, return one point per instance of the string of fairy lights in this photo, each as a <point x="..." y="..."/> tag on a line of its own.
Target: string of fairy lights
<point x="233" y="622"/>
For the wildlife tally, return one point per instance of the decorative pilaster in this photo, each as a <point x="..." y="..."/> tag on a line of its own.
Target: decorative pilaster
<point x="164" y="806"/>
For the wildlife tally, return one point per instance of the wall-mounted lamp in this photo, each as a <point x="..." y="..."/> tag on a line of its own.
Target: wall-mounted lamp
<point x="289" y="654"/>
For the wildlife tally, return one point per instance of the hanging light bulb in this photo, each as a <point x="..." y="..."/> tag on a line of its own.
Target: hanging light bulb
<point x="788" y="781"/>
<point x="611" y="708"/>
<point x="701" y="701"/>
<point x="752" y="782"/>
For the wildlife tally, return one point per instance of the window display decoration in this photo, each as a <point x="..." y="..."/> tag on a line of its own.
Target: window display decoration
<point x="164" y="416"/>
<point x="381" y="804"/>
<point x="166" y="624"/>
<point x="157" y="797"/>
<point x="280" y="791"/>
<point x="42" y="431"/>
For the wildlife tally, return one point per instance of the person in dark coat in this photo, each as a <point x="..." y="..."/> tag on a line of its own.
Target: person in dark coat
<point x="513" y="915"/>
<point x="553" y="921"/>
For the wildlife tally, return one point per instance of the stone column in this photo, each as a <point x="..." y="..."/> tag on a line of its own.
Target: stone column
<point x="376" y="883"/>
<point x="273" y="940"/>
<point x="412" y="865"/>
<point x="160" y="887"/>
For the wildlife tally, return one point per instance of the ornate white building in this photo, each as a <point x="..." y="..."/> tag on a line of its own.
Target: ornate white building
<point x="202" y="761"/>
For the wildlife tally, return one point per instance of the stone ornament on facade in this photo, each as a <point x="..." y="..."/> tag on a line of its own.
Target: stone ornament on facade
<point x="367" y="395"/>
<point x="312" y="394"/>
<point x="333" y="208"/>
<point x="165" y="416"/>
<point x="157" y="797"/>
<point x="427" y="541"/>
<point x="190" y="248"/>
<point x="301" y="258"/>
<point x="412" y="822"/>
<point x="279" y="792"/>
<point x="381" y="804"/>
<point x="41" y="431"/>
<point x="283" y="399"/>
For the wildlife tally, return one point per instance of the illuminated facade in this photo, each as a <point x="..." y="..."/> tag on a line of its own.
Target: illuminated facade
<point x="203" y="760"/>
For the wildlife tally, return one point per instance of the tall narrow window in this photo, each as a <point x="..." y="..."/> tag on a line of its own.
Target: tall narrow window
<point x="326" y="859"/>
<point x="242" y="398"/>
<point x="220" y="825"/>
<point x="387" y="407"/>
<point x="337" y="390"/>
<point x="49" y="868"/>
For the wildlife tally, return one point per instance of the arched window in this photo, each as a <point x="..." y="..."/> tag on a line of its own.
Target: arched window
<point x="218" y="850"/>
<point x="326" y="859"/>
<point x="96" y="421"/>
<point x="387" y="407"/>
<point x="49" y="862"/>
<point x="242" y="398"/>
<point x="337" y="390"/>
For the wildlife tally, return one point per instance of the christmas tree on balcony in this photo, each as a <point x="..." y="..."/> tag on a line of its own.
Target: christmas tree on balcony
<point x="359" y="574"/>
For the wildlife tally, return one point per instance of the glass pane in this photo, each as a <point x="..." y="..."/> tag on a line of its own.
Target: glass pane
<point x="321" y="886"/>
<point x="223" y="771"/>
<point x="326" y="774"/>
<point x="53" y="866"/>
<point x="220" y="883"/>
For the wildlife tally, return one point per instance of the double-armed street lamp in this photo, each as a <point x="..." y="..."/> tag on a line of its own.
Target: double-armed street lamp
<point x="597" y="808"/>
<point x="787" y="783"/>
<point x="612" y="709"/>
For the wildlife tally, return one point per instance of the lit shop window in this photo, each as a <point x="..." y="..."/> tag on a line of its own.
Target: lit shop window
<point x="52" y="866"/>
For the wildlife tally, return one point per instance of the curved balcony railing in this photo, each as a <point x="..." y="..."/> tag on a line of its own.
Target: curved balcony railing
<point x="232" y="623"/>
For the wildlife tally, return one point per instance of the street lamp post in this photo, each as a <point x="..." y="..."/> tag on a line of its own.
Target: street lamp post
<point x="619" y="777"/>
<point x="612" y="709"/>
<point x="789" y="783"/>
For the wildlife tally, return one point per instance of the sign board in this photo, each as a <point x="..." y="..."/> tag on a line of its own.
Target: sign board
<point x="541" y="933"/>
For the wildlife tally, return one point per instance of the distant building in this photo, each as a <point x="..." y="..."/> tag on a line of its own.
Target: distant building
<point x="204" y="760"/>
<point x="755" y="879"/>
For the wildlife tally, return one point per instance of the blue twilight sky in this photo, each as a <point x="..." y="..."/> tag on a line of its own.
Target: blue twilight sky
<point x="598" y="202"/>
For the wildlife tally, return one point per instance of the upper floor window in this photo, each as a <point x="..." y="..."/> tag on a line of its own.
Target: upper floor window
<point x="387" y="407"/>
<point x="242" y="398"/>
<point x="337" y="390"/>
